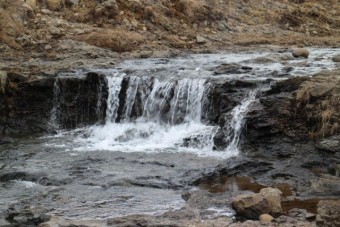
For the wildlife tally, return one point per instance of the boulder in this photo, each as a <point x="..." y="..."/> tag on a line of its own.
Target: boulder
<point x="273" y="195"/>
<point x="266" y="218"/>
<point x="336" y="58"/>
<point x="330" y="144"/>
<point x="328" y="213"/>
<point x="54" y="30"/>
<point x="300" y="53"/>
<point x="31" y="3"/>
<point x="53" y="4"/>
<point x="250" y="206"/>
<point x="227" y="68"/>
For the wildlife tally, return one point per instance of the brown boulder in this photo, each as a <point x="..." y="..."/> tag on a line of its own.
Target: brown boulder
<point x="273" y="195"/>
<point x="53" y="4"/>
<point x="251" y="206"/>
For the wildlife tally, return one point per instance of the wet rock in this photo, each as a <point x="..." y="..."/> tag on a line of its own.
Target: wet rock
<point x="289" y="221"/>
<point x="85" y="105"/>
<point x="265" y="218"/>
<point x="27" y="216"/>
<point x="336" y="58"/>
<point x="330" y="144"/>
<point x="328" y="213"/>
<point x="250" y="206"/>
<point x="326" y="185"/>
<point x="21" y="103"/>
<point x="301" y="214"/>
<point x="231" y="69"/>
<point x="289" y="85"/>
<point x="273" y="195"/>
<point x="300" y="52"/>
<point x="6" y="140"/>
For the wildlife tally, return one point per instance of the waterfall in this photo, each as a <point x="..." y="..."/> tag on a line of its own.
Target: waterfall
<point x="114" y="84"/>
<point x="54" y="115"/>
<point x="234" y="128"/>
<point x="145" y="113"/>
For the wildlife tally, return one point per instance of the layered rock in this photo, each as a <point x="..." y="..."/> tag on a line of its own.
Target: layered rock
<point x="27" y="104"/>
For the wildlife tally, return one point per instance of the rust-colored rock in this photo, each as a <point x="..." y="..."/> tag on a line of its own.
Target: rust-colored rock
<point x="250" y="206"/>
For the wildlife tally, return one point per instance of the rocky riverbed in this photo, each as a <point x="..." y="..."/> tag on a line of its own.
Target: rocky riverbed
<point x="171" y="141"/>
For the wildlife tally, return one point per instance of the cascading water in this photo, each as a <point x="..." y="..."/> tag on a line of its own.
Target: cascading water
<point x="114" y="85"/>
<point x="236" y="124"/>
<point x="145" y="114"/>
<point x="56" y="105"/>
<point x="170" y="118"/>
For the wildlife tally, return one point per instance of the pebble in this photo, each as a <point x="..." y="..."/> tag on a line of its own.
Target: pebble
<point x="46" y="11"/>
<point x="48" y="47"/>
<point x="54" y="30"/>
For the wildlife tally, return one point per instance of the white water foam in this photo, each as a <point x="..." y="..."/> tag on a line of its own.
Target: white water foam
<point x="171" y="120"/>
<point x="114" y="85"/>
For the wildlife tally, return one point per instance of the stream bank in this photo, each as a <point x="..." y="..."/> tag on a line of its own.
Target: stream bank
<point x="74" y="170"/>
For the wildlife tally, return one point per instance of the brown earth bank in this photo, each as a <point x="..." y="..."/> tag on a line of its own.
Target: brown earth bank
<point x="292" y="137"/>
<point x="45" y="35"/>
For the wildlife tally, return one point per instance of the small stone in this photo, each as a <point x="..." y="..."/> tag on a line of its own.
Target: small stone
<point x="300" y="52"/>
<point x="134" y="23"/>
<point x="48" y="47"/>
<point x="27" y="7"/>
<point x="53" y="4"/>
<point x="200" y="39"/>
<point x="54" y="30"/>
<point x="265" y="218"/>
<point x="273" y="195"/>
<point x="72" y="2"/>
<point x="31" y="3"/>
<point x="46" y="11"/>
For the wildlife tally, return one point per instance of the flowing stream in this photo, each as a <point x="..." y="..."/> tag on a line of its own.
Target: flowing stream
<point x="151" y="135"/>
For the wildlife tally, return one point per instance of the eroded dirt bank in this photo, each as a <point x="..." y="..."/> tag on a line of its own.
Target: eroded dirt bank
<point x="55" y="35"/>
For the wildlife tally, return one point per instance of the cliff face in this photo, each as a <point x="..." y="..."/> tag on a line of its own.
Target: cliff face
<point x="25" y="103"/>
